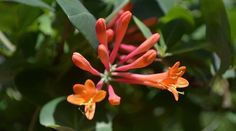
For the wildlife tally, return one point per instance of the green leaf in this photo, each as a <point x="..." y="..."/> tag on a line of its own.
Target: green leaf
<point x="161" y="47"/>
<point x="218" y="31"/>
<point x="178" y="12"/>
<point x="144" y="29"/>
<point x="63" y="116"/>
<point x="36" y="3"/>
<point x="80" y="17"/>
<point x="47" y="118"/>
<point x="166" y="5"/>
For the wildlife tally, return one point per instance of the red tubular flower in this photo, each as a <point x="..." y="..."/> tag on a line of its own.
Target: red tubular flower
<point x="170" y="80"/>
<point x="146" y="45"/>
<point x="101" y="31"/>
<point x="113" y="98"/>
<point x="120" y="30"/>
<point x="127" y="48"/>
<point x="141" y="62"/>
<point x="104" y="56"/>
<point x="110" y="35"/>
<point x="83" y="64"/>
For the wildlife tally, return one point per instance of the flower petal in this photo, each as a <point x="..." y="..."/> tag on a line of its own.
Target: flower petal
<point x="181" y="82"/>
<point x="89" y="110"/>
<point x="174" y="92"/>
<point x="100" y="95"/>
<point x="76" y="100"/>
<point x="79" y="89"/>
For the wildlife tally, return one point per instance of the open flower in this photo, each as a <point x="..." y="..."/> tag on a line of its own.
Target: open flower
<point x="86" y="95"/>
<point x="169" y="80"/>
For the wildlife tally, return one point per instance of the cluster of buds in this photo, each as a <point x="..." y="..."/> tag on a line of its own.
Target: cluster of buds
<point x="118" y="58"/>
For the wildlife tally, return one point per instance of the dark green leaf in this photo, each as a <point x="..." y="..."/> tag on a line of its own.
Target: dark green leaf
<point x="81" y="19"/>
<point x="218" y="31"/>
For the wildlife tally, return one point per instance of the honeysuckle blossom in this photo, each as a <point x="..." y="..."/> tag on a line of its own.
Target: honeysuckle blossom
<point x="169" y="80"/>
<point x="86" y="95"/>
<point x="118" y="59"/>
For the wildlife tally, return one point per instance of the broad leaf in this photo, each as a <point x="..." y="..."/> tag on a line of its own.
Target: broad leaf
<point x="81" y="18"/>
<point x="218" y="31"/>
<point x="47" y="116"/>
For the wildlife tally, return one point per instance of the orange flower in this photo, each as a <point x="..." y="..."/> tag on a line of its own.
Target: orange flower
<point x="170" y="80"/>
<point x="86" y="95"/>
<point x="175" y="80"/>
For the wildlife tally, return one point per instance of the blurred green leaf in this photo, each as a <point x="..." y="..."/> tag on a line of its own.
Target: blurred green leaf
<point x="18" y="19"/>
<point x="81" y="19"/>
<point x="175" y="24"/>
<point x="178" y="12"/>
<point x="218" y="31"/>
<point x="102" y="126"/>
<point x="36" y="3"/>
<point x="47" y="117"/>
<point x="166" y="5"/>
<point x="6" y="47"/>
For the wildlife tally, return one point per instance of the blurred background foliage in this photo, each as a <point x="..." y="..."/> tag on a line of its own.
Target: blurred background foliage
<point x="38" y="37"/>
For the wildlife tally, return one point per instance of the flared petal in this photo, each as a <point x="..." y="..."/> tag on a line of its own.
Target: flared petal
<point x="174" y="92"/>
<point x="79" y="89"/>
<point x="89" y="110"/>
<point x="182" y="83"/>
<point x="76" y="100"/>
<point x="100" y="95"/>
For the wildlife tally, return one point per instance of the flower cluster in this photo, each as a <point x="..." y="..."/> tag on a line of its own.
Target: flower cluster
<point x="118" y="58"/>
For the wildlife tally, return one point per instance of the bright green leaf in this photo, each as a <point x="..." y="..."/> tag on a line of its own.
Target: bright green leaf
<point x="81" y="19"/>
